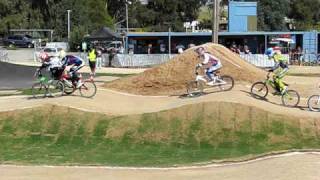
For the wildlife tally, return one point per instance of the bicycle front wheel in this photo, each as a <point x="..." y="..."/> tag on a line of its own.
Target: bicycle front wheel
<point x="259" y="90"/>
<point x="228" y="83"/>
<point x="314" y="103"/>
<point x="88" y="89"/>
<point x="39" y="90"/>
<point x="195" y="88"/>
<point x="291" y="98"/>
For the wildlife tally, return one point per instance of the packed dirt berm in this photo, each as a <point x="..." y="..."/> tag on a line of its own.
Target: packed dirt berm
<point x="171" y="78"/>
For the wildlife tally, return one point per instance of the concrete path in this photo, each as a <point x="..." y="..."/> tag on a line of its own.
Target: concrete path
<point x="294" y="166"/>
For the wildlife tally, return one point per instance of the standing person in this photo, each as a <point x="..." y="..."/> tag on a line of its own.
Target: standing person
<point x="99" y="58"/>
<point x="92" y="62"/>
<point x="112" y="53"/>
<point x="149" y="49"/>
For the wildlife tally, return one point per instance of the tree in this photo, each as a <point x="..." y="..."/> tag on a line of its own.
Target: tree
<point x="271" y="14"/>
<point x="305" y="13"/>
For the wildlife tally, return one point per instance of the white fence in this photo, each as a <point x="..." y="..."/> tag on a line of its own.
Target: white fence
<point x="4" y="55"/>
<point x="259" y="60"/>
<point x="139" y="60"/>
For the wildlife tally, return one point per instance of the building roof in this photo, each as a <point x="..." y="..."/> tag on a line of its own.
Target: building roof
<point x="159" y="34"/>
<point x="105" y="34"/>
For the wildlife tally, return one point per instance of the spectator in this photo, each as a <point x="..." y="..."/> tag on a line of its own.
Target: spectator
<point x="179" y="46"/>
<point x="191" y="45"/>
<point x="99" y="58"/>
<point x="92" y="61"/>
<point x="162" y="48"/>
<point x="121" y="49"/>
<point x="246" y="50"/>
<point x="149" y="51"/>
<point x="112" y="53"/>
<point x="131" y="51"/>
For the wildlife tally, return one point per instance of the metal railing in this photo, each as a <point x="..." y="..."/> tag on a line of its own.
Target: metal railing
<point x="302" y="59"/>
<point x="139" y="60"/>
<point x="305" y="59"/>
<point x="4" y="55"/>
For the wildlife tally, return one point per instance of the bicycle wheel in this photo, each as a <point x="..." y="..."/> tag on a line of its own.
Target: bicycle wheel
<point x="229" y="83"/>
<point x="259" y="90"/>
<point x="291" y="98"/>
<point x="39" y="90"/>
<point x="56" y="89"/>
<point x="195" y="88"/>
<point x="314" y="103"/>
<point x="88" y="89"/>
<point x="68" y="88"/>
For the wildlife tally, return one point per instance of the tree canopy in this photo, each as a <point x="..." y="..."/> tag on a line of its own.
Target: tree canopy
<point x="157" y="15"/>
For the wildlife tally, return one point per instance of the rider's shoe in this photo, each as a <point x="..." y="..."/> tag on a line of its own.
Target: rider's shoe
<point x="79" y="84"/>
<point x="284" y="90"/>
<point x="210" y="83"/>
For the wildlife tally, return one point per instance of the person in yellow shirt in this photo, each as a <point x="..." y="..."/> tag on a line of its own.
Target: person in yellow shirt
<point x="92" y="61"/>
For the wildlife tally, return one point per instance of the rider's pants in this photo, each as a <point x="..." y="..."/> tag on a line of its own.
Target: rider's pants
<point x="278" y="79"/>
<point x="210" y="71"/>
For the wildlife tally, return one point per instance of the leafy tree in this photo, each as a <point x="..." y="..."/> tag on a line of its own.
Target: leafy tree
<point x="271" y="14"/>
<point x="305" y="13"/>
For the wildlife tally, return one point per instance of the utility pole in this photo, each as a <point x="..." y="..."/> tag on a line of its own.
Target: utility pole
<point x="127" y="24"/>
<point x="215" y="20"/>
<point x="69" y="24"/>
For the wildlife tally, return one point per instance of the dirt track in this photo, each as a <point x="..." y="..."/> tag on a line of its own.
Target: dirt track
<point x="286" y="167"/>
<point x="115" y="103"/>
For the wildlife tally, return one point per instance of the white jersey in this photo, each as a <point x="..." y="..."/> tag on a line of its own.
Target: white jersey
<point x="53" y="63"/>
<point x="209" y="59"/>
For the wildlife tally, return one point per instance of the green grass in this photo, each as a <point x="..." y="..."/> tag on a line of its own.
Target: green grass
<point x="58" y="136"/>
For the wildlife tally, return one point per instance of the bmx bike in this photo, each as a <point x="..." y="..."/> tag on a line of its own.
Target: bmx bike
<point x="289" y="98"/>
<point x="88" y="88"/>
<point x="198" y="86"/>
<point x="45" y="87"/>
<point x="314" y="102"/>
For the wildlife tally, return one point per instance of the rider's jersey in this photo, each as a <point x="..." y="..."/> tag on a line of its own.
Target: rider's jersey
<point x="280" y="62"/>
<point x="210" y="60"/>
<point x="53" y="63"/>
<point x="72" y="60"/>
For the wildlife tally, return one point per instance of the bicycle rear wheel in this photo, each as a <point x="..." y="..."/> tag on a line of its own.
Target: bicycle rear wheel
<point x="195" y="88"/>
<point x="39" y="90"/>
<point x="68" y="87"/>
<point x="229" y="83"/>
<point x="259" y="90"/>
<point x="88" y="89"/>
<point x="56" y="89"/>
<point x="314" y="103"/>
<point x="291" y="98"/>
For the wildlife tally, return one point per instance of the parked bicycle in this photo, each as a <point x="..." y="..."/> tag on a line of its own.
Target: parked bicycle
<point x="314" y="102"/>
<point x="88" y="89"/>
<point x="45" y="87"/>
<point x="290" y="98"/>
<point x="198" y="86"/>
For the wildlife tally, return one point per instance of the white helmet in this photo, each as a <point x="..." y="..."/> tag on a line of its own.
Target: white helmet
<point x="62" y="54"/>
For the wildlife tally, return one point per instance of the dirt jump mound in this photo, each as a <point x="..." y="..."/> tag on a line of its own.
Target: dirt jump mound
<point x="171" y="78"/>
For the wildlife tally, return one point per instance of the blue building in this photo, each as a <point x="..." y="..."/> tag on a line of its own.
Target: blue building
<point x="242" y="16"/>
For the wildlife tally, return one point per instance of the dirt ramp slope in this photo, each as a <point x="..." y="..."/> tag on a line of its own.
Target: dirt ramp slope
<point x="172" y="77"/>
